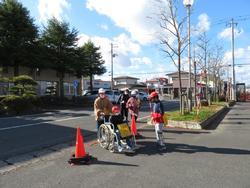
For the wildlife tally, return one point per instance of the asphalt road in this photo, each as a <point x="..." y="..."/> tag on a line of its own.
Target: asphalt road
<point x="19" y="135"/>
<point x="194" y="158"/>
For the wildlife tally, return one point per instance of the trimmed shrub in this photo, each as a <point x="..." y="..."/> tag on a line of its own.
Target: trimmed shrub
<point x="23" y="84"/>
<point x="14" y="104"/>
<point x="32" y="100"/>
<point x="2" y="97"/>
<point x="49" y="100"/>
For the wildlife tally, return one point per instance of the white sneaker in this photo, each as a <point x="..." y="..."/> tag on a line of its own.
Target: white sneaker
<point x="119" y="148"/>
<point x="123" y="142"/>
<point x="128" y="148"/>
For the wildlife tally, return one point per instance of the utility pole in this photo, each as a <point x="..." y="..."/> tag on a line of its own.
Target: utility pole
<point x="233" y="96"/>
<point x="189" y="62"/>
<point x="112" y="56"/>
<point x="234" y="88"/>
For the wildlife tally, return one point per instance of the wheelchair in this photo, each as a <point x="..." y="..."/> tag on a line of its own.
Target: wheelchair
<point x="115" y="138"/>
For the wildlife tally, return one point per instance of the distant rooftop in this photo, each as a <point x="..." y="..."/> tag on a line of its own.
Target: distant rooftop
<point x="126" y="77"/>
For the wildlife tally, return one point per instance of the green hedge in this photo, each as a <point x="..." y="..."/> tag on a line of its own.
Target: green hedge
<point x="13" y="104"/>
<point x="2" y="97"/>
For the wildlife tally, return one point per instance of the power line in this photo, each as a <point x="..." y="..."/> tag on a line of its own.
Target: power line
<point x="228" y="20"/>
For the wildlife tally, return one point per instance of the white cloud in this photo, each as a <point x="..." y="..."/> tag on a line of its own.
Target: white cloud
<point x="128" y="60"/>
<point x="130" y="15"/>
<point x="227" y="33"/>
<point x="239" y="53"/>
<point x="203" y="24"/>
<point x="137" y="62"/>
<point x="104" y="27"/>
<point x="52" y="8"/>
<point x="103" y="43"/>
<point x="242" y="56"/>
<point x="123" y="46"/>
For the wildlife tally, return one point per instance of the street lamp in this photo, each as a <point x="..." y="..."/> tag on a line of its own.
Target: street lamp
<point x="112" y="74"/>
<point x="188" y="4"/>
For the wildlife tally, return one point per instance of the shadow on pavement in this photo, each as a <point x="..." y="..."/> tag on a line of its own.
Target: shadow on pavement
<point x="240" y="118"/>
<point x="214" y="124"/>
<point x="147" y="148"/>
<point x="189" y="149"/>
<point x="176" y="131"/>
<point x="150" y="148"/>
<point x="235" y="123"/>
<point x="237" y="114"/>
<point x="112" y="163"/>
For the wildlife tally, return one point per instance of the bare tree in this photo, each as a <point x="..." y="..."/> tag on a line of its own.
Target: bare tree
<point x="174" y="38"/>
<point x="216" y="68"/>
<point x="202" y="55"/>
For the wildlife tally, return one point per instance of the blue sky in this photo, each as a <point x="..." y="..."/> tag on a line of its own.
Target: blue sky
<point x="126" y="24"/>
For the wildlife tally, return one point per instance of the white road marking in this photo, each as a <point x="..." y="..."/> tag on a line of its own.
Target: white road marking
<point x="30" y="115"/>
<point x="57" y="120"/>
<point x="32" y="124"/>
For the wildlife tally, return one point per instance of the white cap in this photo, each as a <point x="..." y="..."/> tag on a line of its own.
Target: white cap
<point x="101" y="90"/>
<point x="134" y="92"/>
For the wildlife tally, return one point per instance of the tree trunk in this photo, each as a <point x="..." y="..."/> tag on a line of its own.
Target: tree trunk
<point x="180" y="85"/>
<point x="61" y="87"/>
<point x="16" y="69"/>
<point x="217" y="89"/>
<point x="81" y="86"/>
<point x="91" y="82"/>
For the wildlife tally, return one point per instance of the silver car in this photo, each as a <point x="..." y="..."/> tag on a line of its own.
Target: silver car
<point x="143" y="96"/>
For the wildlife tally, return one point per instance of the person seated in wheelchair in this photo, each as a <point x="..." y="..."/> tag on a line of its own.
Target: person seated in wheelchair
<point x="119" y="125"/>
<point x="116" y="117"/>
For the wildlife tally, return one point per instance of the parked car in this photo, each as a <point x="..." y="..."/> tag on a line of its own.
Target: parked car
<point x="143" y="96"/>
<point x="90" y="96"/>
<point x="113" y="95"/>
<point x="88" y="93"/>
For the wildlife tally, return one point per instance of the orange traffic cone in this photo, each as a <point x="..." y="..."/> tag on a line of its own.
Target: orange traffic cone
<point x="80" y="149"/>
<point x="133" y="126"/>
<point x="80" y="156"/>
<point x="134" y="129"/>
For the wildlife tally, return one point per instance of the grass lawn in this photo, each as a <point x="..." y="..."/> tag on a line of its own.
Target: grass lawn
<point x="204" y="113"/>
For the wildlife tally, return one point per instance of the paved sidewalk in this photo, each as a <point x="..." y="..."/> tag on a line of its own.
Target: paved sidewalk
<point x="194" y="158"/>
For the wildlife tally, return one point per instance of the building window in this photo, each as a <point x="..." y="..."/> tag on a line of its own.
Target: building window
<point x="4" y="88"/>
<point x="68" y="89"/>
<point x="46" y="88"/>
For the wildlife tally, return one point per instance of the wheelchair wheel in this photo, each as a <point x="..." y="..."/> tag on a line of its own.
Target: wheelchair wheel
<point x="112" y="144"/>
<point x="104" y="136"/>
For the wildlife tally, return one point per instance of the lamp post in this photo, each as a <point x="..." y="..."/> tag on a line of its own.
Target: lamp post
<point x="112" y="73"/>
<point x="112" y="56"/>
<point x="188" y="4"/>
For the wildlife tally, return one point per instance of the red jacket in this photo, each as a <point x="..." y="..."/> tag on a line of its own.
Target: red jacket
<point x="157" y="112"/>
